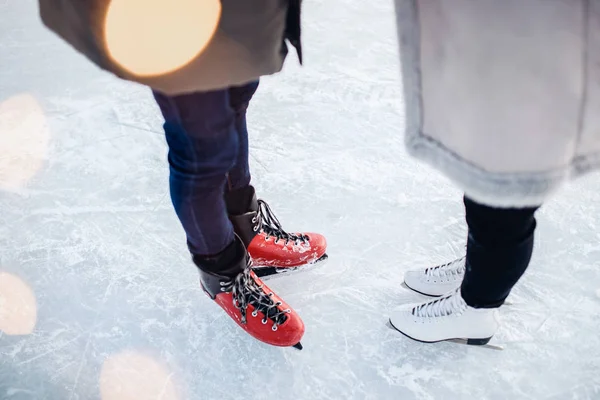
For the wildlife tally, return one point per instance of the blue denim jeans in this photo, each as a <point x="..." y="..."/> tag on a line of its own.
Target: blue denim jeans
<point x="208" y="154"/>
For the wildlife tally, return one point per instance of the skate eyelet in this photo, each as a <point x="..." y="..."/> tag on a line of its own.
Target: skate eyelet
<point x="274" y="328"/>
<point x="288" y="311"/>
<point x="264" y="321"/>
<point x="254" y="313"/>
<point x="254" y="220"/>
<point x="278" y="303"/>
<point x="255" y="228"/>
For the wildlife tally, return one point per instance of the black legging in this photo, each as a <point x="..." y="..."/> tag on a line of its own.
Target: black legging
<point x="499" y="249"/>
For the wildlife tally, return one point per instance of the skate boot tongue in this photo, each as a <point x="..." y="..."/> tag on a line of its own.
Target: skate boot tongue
<point x="242" y="207"/>
<point x="271" y="226"/>
<point x="241" y="201"/>
<point x="453" y="303"/>
<point x="455" y="267"/>
<point x="247" y="292"/>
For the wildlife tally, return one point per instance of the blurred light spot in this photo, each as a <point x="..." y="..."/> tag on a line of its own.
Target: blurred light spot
<point x="134" y="376"/>
<point x="18" y="311"/>
<point x="153" y="37"/>
<point x="24" y="138"/>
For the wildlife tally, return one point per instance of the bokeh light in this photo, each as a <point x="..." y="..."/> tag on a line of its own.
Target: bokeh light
<point x="18" y="310"/>
<point x="131" y="375"/>
<point x="24" y="138"/>
<point x="154" y="37"/>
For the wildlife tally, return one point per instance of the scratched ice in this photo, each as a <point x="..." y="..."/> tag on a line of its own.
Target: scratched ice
<point x="100" y="300"/>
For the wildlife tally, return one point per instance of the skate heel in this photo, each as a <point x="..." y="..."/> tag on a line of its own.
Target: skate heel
<point x="206" y="291"/>
<point x="478" y="342"/>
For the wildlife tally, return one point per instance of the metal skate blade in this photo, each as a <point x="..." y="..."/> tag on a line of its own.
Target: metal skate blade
<point x="298" y="346"/>
<point x="266" y="273"/>
<point x="321" y="259"/>
<point x="488" y="345"/>
<point x="459" y="341"/>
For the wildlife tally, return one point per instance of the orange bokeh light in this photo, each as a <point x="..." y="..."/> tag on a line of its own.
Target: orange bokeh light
<point x="24" y="138"/>
<point x="18" y="310"/>
<point x="131" y="375"/>
<point x="154" y="37"/>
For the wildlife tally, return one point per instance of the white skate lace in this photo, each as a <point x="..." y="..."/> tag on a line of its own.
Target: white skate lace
<point x="445" y="306"/>
<point x="452" y="269"/>
<point x="271" y="226"/>
<point x="246" y="291"/>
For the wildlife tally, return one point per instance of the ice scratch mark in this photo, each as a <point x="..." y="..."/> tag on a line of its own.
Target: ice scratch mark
<point x="163" y="391"/>
<point x="139" y="128"/>
<point x="53" y="350"/>
<point x="81" y="363"/>
<point x="259" y="162"/>
<point x="89" y="209"/>
<point x="158" y="203"/>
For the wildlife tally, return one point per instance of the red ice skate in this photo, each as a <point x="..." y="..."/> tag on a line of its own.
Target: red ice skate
<point x="228" y="279"/>
<point x="272" y="249"/>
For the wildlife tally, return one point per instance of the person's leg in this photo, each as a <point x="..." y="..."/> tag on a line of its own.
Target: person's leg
<point x="203" y="146"/>
<point x="239" y="99"/>
<point x="499" y="249"/>
<point x="272" y="249"/>
<point x="498" y="237"/>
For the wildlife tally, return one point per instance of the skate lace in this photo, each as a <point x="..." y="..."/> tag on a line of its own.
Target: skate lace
<point x="445" y="306"/>
<point x="271" y="226"/>
<point x="452" y="269"/>
<point x="246" y="291"/>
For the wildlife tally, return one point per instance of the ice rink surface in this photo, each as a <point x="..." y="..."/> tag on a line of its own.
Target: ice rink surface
<point x="98" y="297"/>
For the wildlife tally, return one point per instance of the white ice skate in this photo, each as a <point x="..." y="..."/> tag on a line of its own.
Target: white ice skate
<point x="436" y="281"/>
<point x="446" y="318"/>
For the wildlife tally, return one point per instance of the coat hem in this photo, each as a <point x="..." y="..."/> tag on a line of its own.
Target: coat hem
<point x="503" y="190"/>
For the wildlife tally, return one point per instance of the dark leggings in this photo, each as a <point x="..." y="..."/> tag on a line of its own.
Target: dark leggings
<point x="208" y="154"/>
<point x="499" y="249"/>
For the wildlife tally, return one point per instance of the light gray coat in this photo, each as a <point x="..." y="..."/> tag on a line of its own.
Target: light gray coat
<point x="503" y="96"/>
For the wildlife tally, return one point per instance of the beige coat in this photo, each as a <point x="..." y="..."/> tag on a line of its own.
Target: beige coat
<point x="503" y="96"/>
<point x="249" y="42"/>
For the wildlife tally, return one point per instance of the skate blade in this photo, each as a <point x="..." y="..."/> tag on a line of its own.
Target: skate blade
<point x="466" y="342"/>
<point x="458" y="341"/>
<point x="266" y="273"/>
